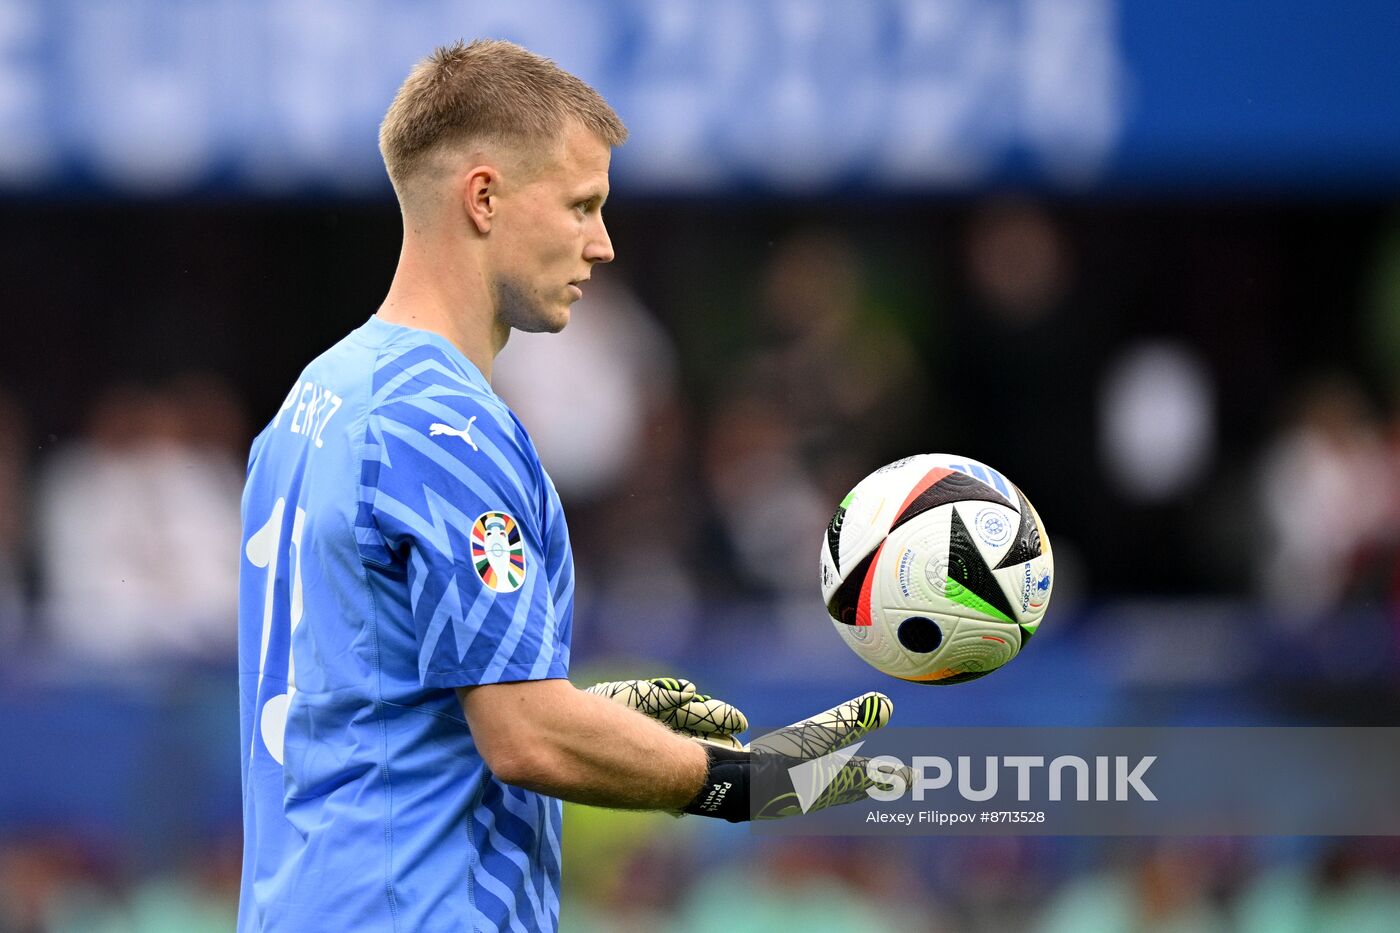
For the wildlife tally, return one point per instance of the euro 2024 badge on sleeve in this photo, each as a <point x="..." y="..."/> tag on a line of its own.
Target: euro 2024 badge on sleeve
<point x="498" y="554"/>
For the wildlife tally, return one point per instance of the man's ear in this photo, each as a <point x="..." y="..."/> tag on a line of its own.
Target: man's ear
<point x="479" y="197"/>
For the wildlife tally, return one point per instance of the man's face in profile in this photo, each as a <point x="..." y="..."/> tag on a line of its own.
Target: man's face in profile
<point x="552" y="234"/>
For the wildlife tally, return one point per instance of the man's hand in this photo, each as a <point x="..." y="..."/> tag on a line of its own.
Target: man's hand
<point x="674" y="703"/>
<point x="812" y="738"/>
<point x="781" y="774"/>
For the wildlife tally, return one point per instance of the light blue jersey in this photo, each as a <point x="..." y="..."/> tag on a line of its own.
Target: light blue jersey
<point x="400" y="539"/>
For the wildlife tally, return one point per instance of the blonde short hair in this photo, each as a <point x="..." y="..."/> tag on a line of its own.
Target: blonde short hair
<point x="489" y="90"/>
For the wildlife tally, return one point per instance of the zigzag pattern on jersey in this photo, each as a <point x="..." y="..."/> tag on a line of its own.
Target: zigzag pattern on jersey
<point x="406" y="590"/>
<point x="505" y="825"/>
<point x="392" y="372"/>
<point x="417" y="369"/>
<point x="413" y="480"/>
<point x="464" y="624"/>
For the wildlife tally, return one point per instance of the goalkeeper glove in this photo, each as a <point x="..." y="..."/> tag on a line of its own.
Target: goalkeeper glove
<point x="786" y="772"/>
<point x="675" y="704"/>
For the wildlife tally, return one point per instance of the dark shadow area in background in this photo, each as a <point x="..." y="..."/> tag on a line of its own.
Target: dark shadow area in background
<point x="1269" y="295"/>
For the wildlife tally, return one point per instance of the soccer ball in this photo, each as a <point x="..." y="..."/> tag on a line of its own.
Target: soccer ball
<point x="936" y="570"/>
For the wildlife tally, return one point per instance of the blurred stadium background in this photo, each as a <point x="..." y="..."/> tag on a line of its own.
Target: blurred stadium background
<point x="1142" y="256"/>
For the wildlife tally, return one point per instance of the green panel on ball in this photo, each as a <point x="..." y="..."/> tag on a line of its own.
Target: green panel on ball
<point x="965" y="597"/>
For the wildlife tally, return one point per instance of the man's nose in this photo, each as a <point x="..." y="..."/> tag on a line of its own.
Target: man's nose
<point x="599" y="247"/>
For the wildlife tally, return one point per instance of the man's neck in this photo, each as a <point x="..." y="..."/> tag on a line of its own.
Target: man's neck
<point x="446" y="295"/>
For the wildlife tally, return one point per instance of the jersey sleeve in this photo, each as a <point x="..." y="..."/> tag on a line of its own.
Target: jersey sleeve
<point x="450" y="491"/>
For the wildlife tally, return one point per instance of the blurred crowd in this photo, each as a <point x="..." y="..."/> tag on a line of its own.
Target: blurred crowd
<point x="629" y="873"/>
<point x="121" y="547"/>
<point x="980" y="885"/>
<point x="60" y="882"/>
<point x="699" y="465"/>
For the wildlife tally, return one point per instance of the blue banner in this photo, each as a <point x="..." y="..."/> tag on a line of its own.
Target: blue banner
<point x="281" y="97"/>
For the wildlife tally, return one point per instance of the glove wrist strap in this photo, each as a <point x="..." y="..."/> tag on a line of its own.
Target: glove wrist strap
<point x="725" y="793"/>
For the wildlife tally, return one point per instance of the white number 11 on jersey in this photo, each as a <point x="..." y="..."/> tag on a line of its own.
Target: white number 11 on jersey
<point x="264" y="550"/>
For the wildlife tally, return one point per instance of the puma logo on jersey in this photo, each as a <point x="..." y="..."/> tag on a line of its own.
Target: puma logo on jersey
<point x="465" y="434"/>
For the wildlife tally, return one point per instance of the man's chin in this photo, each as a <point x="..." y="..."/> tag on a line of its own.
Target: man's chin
<point x="530" y="317"/>
<point x="558" y="322"/>
<point x="542" y="322"/>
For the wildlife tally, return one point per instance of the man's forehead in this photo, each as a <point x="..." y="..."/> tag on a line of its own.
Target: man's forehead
<point x="580" y="148"/>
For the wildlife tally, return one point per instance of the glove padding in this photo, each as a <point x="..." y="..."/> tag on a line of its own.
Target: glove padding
<point x="767" y="779"/>
<point x="830" y="784"/>
<point x="674" y="703"/>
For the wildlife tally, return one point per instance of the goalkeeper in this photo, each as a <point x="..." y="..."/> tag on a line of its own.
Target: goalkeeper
<point x="406" y="590"/>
